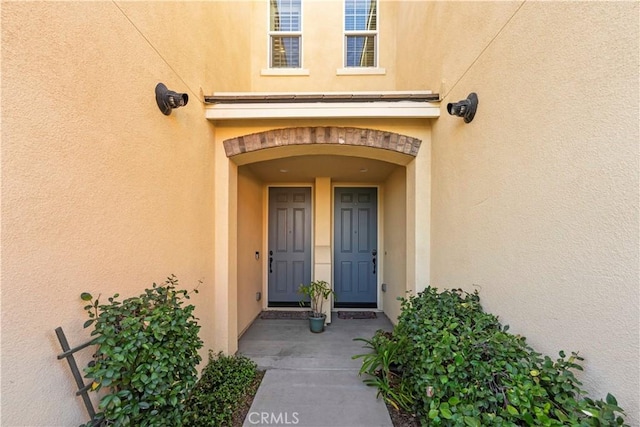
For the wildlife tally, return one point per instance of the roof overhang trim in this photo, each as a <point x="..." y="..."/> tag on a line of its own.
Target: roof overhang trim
<point x="236" y="106"/>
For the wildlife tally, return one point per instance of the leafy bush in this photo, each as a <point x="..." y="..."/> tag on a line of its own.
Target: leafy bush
<point x="224" y="381"/>
<point x="457" y="365"/>
<point x="147" y="356"/>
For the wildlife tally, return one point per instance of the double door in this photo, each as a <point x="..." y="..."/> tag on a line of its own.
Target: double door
<point x="355" y="241"/>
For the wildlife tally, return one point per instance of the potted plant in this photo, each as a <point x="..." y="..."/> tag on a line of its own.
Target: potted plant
<point x="317" y="291"/>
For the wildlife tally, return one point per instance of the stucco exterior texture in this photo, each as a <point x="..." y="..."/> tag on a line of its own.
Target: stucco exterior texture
<point x="535" y="203"/>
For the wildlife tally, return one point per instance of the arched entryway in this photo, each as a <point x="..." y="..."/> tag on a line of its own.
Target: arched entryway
<point x="324" y="160"/>
<point x="327" y="136"/>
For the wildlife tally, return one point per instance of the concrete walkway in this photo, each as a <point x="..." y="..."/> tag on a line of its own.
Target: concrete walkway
<point x="310" y="379"/>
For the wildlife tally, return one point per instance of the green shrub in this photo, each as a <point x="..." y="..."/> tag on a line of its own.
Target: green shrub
<point x="381" y="365"/>
<point x="147" y="356"/>
<point x="457" y="365"/>
<point x="224" y="381"/>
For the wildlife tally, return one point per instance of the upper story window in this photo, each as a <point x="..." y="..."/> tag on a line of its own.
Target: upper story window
<point x="285" y="34"/>
<point x="361" y="33"/>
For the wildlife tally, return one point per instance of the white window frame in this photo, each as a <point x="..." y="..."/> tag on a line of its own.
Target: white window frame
<point x="271" y="70"/>
<point x="351" y="69"/>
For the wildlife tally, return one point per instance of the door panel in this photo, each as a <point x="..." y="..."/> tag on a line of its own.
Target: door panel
<point x="289" y="244"/>
<point x="356" y="241"/>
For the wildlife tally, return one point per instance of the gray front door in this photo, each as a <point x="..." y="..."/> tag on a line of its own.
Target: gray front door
<point x="356" y="246"/>
<point x="289" y="257"/>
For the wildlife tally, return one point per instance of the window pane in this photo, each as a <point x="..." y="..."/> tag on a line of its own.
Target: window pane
<point x="285" y="52"/>
<point x="285" y="15"/>
<point x="360" y="15"/>
<point x="361" y="51"/>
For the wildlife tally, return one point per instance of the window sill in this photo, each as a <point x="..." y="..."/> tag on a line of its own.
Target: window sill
<point x="364" y="71"/>
<point x="284" y="72"/>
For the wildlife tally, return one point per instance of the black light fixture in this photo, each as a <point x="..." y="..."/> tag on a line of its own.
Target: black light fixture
<point x="465" y="108"/>
<point x="168" y="100"/>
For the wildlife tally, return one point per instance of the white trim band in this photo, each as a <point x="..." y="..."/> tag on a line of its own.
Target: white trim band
<point x="380" y="110"/>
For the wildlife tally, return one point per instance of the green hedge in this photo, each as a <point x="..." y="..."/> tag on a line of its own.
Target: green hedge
<point x="452" y="364"/>
<point x="146" y="363"/>
<point x="147" y="356"/>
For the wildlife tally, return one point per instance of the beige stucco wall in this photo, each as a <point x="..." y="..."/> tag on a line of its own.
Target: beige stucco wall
<point x="322" y="236"/>
<point x="437" y="43"/>
<point x="535" y="203"/>
<point x="250" y="238"/>
<point x="394" y="251"/>
<point x="100" y="191"/>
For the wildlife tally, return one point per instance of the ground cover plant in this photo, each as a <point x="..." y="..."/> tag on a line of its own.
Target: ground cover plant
<point x="147" y="356"/>
<point x="451" y="364"/>
<point x="226" y="383"/>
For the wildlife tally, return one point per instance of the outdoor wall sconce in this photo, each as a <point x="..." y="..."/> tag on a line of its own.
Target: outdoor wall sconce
<point x="168" y="100"/>
<point x="465" y="108"/>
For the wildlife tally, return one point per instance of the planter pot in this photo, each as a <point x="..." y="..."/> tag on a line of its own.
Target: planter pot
<point x="316" y="324"/>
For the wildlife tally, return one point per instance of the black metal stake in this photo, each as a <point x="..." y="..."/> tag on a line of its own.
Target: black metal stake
<point x="68" y="354"/>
